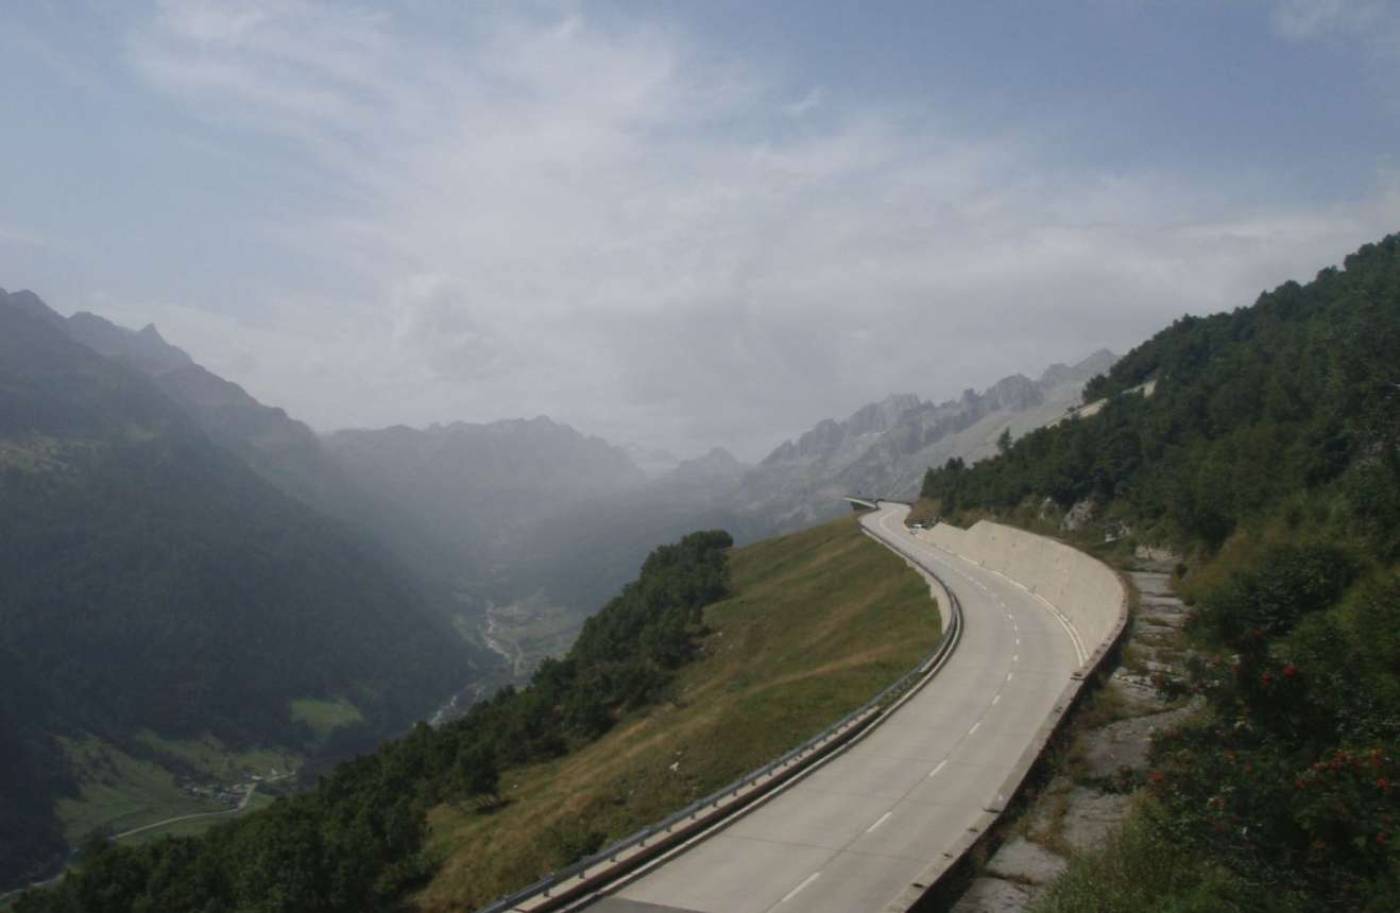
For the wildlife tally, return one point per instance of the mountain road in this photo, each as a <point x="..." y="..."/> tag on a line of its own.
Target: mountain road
<point x="858" y="831"/>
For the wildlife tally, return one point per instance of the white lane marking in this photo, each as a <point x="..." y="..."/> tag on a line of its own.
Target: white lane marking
<point x="794" y="892"/>
<point x="1018" y="641"/>
<point x="1069" y="628"/>
<point x="996" y="700"/>
<point x="1016" y="658"/>
<point x="941" y="764"/>
<point x="883" y="818"/>
<point x="975" y="726"/>
<point x="1010" y="676"/>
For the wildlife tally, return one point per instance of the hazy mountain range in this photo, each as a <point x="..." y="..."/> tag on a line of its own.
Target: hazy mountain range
<point x="884" y="448"/>
<point x="534" y="517"/>
<point x="156" y="591"/>
<point x="188" y="561"/>
<point x="532" y="512"/>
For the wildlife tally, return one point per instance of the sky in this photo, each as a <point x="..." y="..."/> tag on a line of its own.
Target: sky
<point x="680" y="224"/>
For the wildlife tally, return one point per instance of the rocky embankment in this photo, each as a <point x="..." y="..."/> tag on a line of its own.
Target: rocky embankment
<point x="1092" y="788"/>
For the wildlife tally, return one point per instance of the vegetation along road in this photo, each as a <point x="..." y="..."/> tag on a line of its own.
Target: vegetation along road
<point x="857" y="833"/>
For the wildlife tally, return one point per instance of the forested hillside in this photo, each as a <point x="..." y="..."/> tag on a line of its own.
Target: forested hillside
<point x="354" y="842"/>
<point x="151" y="582"/>
<point x="1270" y="454"/>
<point x="1295" y="395"/>
<point x="279" y="448"/>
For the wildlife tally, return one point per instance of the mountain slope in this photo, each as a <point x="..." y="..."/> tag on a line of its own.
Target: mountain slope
<point x="475" y="499"/>
<point x="288" y="454"/>
<point x="686" y="658"/>
<point x="852" y="618"/>
<point x="281" y="449"/>
<point x="1249" y="408"/>
<point x="884" y="448"/>
<point x="150" y="581"/>
<point x="537" y="523"/>
<point x="1269" y="455"/>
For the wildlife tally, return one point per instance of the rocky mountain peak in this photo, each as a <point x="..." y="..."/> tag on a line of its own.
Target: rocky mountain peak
<point x="881" y="416"/>
<point x="1079" y="372"/>
<point x="1016" y="392"/>
<point x="30" y="304"/>
<point x="146" y="350"/>
<point x="716" y="466"/>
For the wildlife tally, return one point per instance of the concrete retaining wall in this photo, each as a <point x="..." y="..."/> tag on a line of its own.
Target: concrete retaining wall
<point x="1084" y="592"/>
<point x="1083" y="589"/>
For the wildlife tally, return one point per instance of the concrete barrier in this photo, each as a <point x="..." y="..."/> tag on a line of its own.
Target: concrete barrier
<point x="1085" y="592"/>
<point x="1087" y="595"/>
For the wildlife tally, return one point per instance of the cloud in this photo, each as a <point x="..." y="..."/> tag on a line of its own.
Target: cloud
<point x="804" y="105"/>
<point x="14" y="234"/>
<point x="1370" y="25"/>
<point x="1309" y="19"/>
<point x="434" y="320"/>
<point x="545" y="213"/>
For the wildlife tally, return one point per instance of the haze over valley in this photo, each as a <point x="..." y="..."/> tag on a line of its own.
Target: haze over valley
<point x="704" y="458"/>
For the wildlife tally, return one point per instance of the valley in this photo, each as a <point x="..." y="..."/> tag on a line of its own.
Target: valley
<point x="576" y="456"/>
<point x="558" y="736"/>
<point x="124" y="795"/>
<point x="524" y="633"/>
<point x="817" y="623"/>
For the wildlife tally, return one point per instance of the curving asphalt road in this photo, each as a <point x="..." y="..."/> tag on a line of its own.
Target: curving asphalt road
<point x="855" y="833"/>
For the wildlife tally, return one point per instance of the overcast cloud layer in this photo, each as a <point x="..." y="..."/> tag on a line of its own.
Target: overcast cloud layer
<point x="372" y="216"/>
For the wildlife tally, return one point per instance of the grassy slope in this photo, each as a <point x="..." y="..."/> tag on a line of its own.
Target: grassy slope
<point x="118" y="792"/>
<point x="325" y="717"/>
<point x="819" y="622"/>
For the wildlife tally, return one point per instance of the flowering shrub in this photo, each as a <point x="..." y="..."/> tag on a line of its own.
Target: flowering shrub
<point x="1294" y="776"/>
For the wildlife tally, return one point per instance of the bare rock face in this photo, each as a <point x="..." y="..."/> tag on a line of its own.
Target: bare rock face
<point x="1092" y="816"/>
<point x="1156" y="554"/>
<point x="1075" y="812"/>
<point x="1136" y="691"/>
<point x="1124" y="745"/>
<point x="1022" y="861"/>
<point x="992" y="895"/>
<point x="1079" y="515"/>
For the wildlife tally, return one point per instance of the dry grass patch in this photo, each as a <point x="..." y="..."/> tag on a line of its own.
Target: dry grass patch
<point x="820" y="621"/>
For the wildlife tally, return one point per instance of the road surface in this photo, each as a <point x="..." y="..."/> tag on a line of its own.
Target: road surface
<point x="854" y="834"/>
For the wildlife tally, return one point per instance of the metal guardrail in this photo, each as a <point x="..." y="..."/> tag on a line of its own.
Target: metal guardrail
<point x="712" y="809"/>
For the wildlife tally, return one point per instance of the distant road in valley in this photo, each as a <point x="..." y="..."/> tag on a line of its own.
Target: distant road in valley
<point x="243" y="803"/>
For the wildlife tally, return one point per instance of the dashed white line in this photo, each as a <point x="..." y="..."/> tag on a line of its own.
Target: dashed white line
<point x="941" y="764"/>
<point x="1016" y="658"/>
<point x="883" y="818"/>
<point x="996" y="700"/>
<point x="975" y="726"/>
<point x="795" y="891"/>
